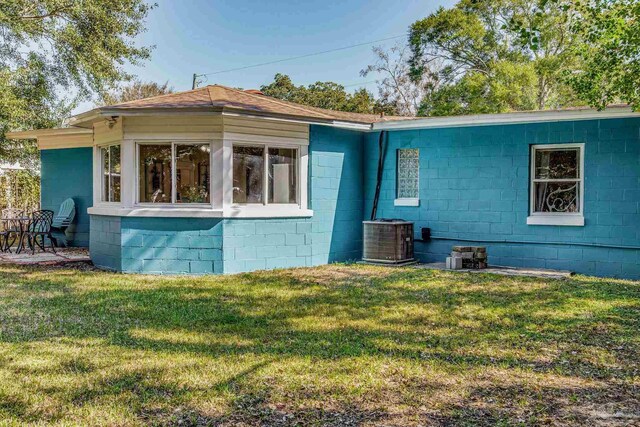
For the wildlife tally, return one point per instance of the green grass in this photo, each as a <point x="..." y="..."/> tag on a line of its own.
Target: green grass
<point x="335" y="345"/>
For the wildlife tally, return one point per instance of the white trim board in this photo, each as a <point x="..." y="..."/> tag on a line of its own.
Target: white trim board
<point x="507" y="118"/>
<point x="283" y="211"/>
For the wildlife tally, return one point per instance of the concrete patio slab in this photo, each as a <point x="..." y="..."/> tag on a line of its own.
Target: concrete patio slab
<point x="506" y="271"/>
<point x="62" y="256"/>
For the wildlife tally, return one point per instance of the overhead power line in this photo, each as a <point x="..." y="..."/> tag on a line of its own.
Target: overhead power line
<point x="293" y="58"/>
<point x="360" y="84"/>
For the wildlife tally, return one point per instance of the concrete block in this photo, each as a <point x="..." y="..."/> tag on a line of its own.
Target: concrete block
<point x="462" y="255"/>
<point x="454" y="263"/>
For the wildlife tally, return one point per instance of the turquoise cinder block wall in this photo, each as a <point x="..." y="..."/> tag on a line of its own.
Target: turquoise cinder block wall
<point x="333" y="234"/>
<point x="157" y="245"/>
<point x="68" y="173"/>
<point x="197" y="246"/>
<point x="474" y="185"/>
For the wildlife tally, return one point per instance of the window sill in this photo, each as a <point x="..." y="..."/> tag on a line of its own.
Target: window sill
<point x="202" y="212"/>
<point x="163" y="212"/>
<point x="406" y="202"/>
<point x="268" y="211"/>
<point x="565" y="220"/>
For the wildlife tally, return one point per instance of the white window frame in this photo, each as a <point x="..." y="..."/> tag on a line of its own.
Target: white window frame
<point x="265" y="174"/>
<point x="102" y="200"/>
<point x="406" y="201"/>
<point x="556" y="218"/>
<point x="173" y="203"/>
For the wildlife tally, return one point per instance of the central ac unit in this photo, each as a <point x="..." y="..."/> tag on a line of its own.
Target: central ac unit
<point x="388" y="241"/>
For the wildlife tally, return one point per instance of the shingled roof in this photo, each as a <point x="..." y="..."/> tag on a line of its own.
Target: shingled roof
<point x="217" y="97"/>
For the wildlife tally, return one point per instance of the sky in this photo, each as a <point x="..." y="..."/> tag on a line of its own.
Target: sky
<point x="203" y="36"/>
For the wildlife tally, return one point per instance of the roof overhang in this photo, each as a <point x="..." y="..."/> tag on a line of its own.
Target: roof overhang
<point x="99" y="114"/>
<point x="508" y="118"/>
<point x="56" y="138"/>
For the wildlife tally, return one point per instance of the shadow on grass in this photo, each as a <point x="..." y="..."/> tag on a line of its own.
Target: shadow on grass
<point x="459" y="321"/>
<point x="280" y="314"/>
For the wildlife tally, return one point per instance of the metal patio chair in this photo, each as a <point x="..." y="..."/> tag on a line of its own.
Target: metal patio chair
<point x="11" y="227"/>
<point x="40" y="226"/>
<point x="62" y="221"/>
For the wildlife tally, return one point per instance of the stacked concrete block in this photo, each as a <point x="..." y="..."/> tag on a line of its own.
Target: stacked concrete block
<point x="467" y="257"/>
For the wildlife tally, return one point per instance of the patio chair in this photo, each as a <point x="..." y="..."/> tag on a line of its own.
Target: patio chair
<point x="62" y="221"/>
<point x="40" y="226"/>
<point x="10" y="227"/>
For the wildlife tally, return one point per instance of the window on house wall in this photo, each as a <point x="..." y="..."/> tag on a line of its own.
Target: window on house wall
<point x="192" y="173"/>
<point x="174" y="173"/>
<point x="557" y="184"/>
<point x="408" y="176"/>
<point x="265" y="175"/>
<point x="283" y="175"/>
<point x="110" y="161"/>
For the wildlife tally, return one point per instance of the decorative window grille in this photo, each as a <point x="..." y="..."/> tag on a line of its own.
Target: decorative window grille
<point x="408" y="173"/>
<point x="557" y="179"/>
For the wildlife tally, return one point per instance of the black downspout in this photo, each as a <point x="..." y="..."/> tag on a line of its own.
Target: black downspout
<point x="381" y="156"/>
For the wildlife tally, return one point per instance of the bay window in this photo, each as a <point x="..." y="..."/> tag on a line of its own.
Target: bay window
<point x="110" y="167"/>
<point x="557" y="184"/>
<point x="174" y="173"/>
<point x="265" y="175"/>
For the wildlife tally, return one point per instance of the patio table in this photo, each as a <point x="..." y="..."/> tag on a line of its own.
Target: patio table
<point x="22" y="223"/>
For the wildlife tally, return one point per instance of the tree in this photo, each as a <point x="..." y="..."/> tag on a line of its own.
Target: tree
<point x="486" y="67"/>
<point x="608" y="69"/>
<point x="134" y="91"/>
<point x="397" y="88"/>
<point x="53" y="46"/>
<point x="327" y="95"/>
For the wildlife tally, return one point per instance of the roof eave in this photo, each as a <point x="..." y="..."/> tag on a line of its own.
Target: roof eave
<point x="38" y="133"/>
<point x="99" y="113"/>
<point x="507" y="118"/>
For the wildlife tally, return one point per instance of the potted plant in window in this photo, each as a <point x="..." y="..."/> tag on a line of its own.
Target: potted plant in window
<point x="194" y="194"/>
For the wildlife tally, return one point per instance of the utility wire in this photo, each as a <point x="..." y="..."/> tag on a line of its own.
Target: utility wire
<point x="299" y="57"/>
<point x="360" y="84"/>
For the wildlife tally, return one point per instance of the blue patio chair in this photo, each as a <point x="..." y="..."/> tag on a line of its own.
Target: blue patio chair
<point x="62" y="221"/>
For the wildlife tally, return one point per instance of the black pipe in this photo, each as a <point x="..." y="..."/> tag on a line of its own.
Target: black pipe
<point x="522" y="242"/>
<point x="381" y="156"/>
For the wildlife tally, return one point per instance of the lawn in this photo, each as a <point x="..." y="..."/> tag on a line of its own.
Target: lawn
<point x="334" y="345"/>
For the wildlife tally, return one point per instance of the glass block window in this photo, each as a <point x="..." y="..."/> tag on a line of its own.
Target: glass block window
<point x="557" y="179"/>
<point x="408" y="173"/>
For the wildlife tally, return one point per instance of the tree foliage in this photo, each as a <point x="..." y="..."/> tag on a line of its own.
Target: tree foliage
<point x="134" y="91"/>
<point x="504" y="55"/>
<point x="396" y="88"/>
<point x="328" y="95"/>
<point x="485" y="65"/>
<point x="20" y="189"/>
<point x="61" y="46"/>
<point x="608" y="69"/>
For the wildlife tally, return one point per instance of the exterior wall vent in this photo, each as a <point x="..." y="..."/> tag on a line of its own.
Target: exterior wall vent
<point x="388" y="241"/>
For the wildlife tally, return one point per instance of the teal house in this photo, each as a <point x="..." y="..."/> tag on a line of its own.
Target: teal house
<point x="219" y="180"/>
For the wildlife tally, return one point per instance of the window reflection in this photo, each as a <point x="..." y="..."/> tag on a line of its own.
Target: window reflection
<point x="192" y="173"/>
<point x="248" y="174"/>
<point x="155" y="173"/>
<point x="282" y="175"/>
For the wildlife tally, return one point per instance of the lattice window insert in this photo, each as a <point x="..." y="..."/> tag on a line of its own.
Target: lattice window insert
<point x="408" y="173"/>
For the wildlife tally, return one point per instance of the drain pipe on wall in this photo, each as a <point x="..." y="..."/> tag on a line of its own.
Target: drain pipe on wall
<point x="381" y="156"/>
